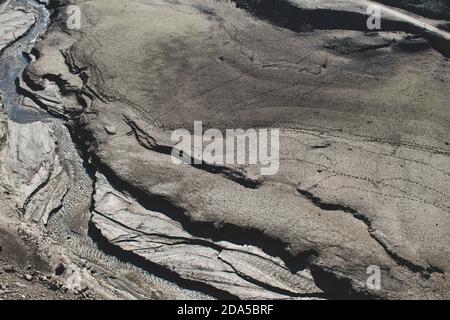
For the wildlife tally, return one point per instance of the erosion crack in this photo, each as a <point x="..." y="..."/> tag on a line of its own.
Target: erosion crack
<point x="150" y="143"/>
<point x="425" y="272"/>
<point x="23" y="209"/>
<point x="268" y="286"/>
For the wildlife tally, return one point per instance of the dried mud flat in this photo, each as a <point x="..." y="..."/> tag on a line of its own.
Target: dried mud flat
<point x="363" y="116"/>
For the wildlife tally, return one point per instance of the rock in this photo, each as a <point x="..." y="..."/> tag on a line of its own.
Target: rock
<point x="223" y="265"/>
<point x="43" y="278"/>
<point x="54" y="286"/>
<point x="32" y="171"/>
<point x="28" y="277"/>
<point x="29" y="159"/>
<point x="111" y="130"/>
<point x="9" y="269"/>
<point x="59" y="270"/>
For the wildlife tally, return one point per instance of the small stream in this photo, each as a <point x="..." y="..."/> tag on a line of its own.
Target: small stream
<point x="15" y="58"/>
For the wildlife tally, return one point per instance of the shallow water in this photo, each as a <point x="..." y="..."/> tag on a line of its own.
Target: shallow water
<point x="13" y="61"/>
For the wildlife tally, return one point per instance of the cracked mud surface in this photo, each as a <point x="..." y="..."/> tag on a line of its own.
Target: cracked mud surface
<point x="364" y="150"/>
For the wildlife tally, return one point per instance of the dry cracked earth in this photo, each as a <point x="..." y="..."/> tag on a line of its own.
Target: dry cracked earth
<point x="93" y="207"/>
